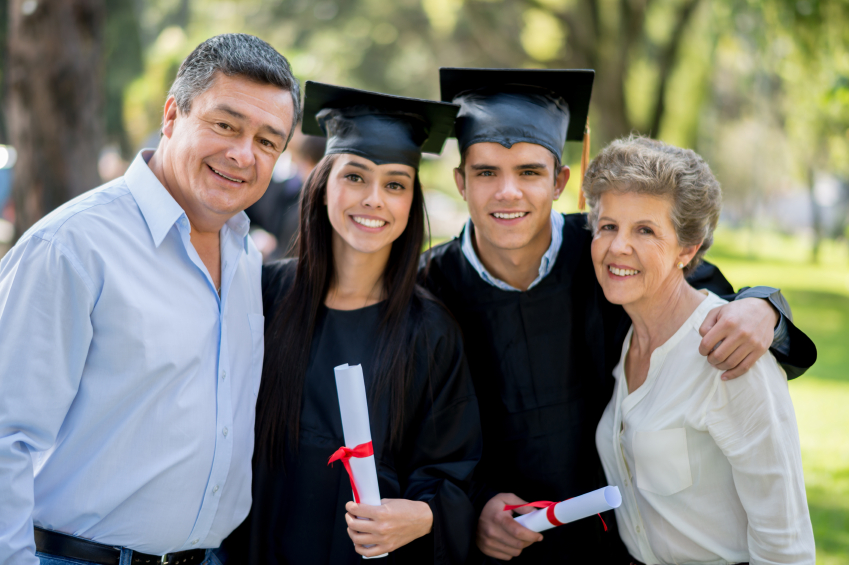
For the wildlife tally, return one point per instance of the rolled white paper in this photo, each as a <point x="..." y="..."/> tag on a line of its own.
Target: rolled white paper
<point x="351" y="389"/>
<point x="601" y="500"/>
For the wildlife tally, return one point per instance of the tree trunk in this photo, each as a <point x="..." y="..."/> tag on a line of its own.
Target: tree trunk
<point x="55" y="116"/>
<point x="816" y="217"/>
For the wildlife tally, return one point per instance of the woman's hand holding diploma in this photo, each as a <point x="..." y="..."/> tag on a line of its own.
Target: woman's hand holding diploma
<point x="499" y="535"/>
<point x="395" y="523"/>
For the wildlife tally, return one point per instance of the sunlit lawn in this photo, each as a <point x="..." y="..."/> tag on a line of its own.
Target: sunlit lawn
<point x="819" y="296"/>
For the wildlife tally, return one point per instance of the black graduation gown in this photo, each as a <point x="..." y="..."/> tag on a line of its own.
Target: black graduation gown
<point x="541" y="361"/>
<point x="298" y="509"/>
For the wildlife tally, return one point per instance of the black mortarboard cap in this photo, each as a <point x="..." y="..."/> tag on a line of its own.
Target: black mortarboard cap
<point x="507" y="106"/>
<point x="380" y="127"/>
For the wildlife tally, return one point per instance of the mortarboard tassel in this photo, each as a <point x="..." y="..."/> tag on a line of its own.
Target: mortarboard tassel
<point x="585" y="162"/>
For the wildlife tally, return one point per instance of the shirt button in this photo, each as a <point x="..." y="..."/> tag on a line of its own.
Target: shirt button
<point x="224" y="431"/>
<point x="214" y="489"/>
<point x="223" y="375"/>
<point x="195" y="541"/>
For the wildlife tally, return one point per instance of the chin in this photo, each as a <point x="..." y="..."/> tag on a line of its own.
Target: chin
<point x="618" y="297"/>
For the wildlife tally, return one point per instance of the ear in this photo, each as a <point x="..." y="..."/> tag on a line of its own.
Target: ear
<point x="687" y="253"/>
<point x="560" y="181"/>
<point x="460" y="181"/>
<point x="169" y="117"/>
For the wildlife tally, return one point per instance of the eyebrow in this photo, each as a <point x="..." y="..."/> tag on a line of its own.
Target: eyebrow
<point x="534" y="166"/>
<point x="524" y="167"/>
<point x="358" y="165"/>
<point x="609" y="219"/>
<point x="240" y="116"/>
<point x="367" y="168"/>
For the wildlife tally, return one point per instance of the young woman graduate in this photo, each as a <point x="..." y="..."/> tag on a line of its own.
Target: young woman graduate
<point x="351" y="297"/>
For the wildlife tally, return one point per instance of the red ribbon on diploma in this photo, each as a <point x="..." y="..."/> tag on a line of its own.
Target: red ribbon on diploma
<point x="344" y="455"/>
<point x="549" y="513"/>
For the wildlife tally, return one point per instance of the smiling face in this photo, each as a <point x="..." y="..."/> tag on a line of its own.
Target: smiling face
<point x="218" y="158"/>
<point x="368" y="205"/>
<point x="635" y="249"/>
<point x="510" y="193"/>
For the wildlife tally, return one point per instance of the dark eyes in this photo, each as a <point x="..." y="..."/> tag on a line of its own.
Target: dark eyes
<point x="611" y="227"/>
<point x="529" y="173"/>
<point x="222" y="125"/>
<point x="396" y="186"/>
<point x="353" y="177"/>
<point x="486" y="174"/>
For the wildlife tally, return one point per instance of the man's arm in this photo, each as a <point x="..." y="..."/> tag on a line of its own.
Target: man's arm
<point x="759" y="318"/>
<point x="45" y="305"/>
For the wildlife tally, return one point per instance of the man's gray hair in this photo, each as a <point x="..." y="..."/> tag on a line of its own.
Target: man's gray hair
<point x="234" y="54"/>
<point x="640" y="164"/>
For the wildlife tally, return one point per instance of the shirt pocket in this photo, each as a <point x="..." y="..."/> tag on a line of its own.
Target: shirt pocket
<point x="662" y="461"/>
<point x="257" y="324"/>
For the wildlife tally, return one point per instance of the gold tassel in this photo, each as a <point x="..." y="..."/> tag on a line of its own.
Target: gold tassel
<point x="585" y="162"/>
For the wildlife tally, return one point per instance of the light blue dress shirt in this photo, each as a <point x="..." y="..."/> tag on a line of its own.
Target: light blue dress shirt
<point x="545" y="266"/>
<point x="127" y="385"/>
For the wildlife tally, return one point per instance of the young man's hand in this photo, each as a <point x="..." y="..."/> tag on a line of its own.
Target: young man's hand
<point x="737" y="334"/>
<point x="499" y="535"/>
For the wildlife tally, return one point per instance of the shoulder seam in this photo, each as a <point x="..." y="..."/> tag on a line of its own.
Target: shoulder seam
<point x="52" y="233"/>
<point x="75" y="263"/>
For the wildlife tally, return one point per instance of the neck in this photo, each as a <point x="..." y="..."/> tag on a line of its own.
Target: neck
<point x="656" y="318"/>
<point x="517" y="267"/>
<point x="358" y="277"/>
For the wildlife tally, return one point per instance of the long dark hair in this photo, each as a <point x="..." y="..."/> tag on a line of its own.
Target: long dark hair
<point x="289" y="335"/>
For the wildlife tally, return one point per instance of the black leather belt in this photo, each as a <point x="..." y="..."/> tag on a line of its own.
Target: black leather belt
<point x="70" y="547"/>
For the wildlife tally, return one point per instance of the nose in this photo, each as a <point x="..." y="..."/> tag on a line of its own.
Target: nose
<point x="373" y="197"/>
<point x="508" y="190"/>
<point x="621" y="244"/>
<point x="240" y="153"/>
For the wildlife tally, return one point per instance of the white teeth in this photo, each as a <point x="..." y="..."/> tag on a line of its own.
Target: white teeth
<point x="510" y="216"/>
<point x="368" y="222"/>
<point x="622" y="272"/>
<point x="225" y="176"/>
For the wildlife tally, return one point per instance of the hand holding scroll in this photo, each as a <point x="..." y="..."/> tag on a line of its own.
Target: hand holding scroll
<point x="395" y="523"/>
<point x="499" y="535"/>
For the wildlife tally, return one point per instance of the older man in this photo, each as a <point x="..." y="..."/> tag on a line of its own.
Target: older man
<point x="133" y="333"/>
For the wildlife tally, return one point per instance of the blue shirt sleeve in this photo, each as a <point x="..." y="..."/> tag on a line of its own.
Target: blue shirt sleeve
<point x="45" y="304"/>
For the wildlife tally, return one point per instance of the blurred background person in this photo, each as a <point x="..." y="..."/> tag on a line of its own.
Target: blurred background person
<point x="274" y="217"/>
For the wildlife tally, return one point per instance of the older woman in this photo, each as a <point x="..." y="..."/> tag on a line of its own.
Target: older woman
<point x="710" y="470"/>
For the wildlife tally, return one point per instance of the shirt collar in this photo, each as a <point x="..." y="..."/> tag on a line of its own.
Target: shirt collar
<point x="546" y="264"/>
<point x="158" y="207"/>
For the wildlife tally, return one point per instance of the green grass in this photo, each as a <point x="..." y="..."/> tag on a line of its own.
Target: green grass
<point x="819" y="296"/>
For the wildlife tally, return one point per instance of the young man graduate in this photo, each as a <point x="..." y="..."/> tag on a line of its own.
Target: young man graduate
<point x="541" y="339"/>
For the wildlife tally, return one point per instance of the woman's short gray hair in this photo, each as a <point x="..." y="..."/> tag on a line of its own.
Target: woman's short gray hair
<point x="234" y="54"/>
<point x="647" y="166"/>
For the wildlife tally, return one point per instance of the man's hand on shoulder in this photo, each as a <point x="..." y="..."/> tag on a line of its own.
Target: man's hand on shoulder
<point x="499" y="535"/>
<point x="737" y="334"/>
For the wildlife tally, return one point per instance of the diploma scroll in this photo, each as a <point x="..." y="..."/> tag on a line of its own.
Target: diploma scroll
<point x="595" y="502"/>
<point x="353" y="406"/>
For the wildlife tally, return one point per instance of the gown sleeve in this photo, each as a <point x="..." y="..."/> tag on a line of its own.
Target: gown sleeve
<point x="444" y="447"/>
<point x="792" y="348"/>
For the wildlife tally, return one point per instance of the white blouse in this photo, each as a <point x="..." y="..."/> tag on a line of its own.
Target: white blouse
<point x="716" y="464"/>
